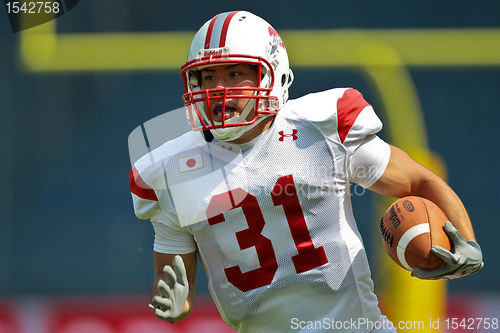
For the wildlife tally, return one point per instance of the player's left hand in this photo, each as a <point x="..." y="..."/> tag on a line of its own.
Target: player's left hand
<point x="465" y="259"/>
<point x="170" y="304"/>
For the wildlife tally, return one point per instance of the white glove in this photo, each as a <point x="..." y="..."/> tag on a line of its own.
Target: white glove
<point x="169" y="305"/>
<point x="465" y="259"/>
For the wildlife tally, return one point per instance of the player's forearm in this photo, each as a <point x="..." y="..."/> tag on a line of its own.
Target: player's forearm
<point x="437" y="191"/>
<point x="403" y="177"/>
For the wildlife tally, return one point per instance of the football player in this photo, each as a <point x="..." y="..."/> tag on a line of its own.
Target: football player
<point x="259" y="191"/>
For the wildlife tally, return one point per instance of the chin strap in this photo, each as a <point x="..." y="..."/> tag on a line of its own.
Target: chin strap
<point x="233" y="133"/>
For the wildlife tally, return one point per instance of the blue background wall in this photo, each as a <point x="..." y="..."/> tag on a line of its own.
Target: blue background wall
<point x="66" y="219"/>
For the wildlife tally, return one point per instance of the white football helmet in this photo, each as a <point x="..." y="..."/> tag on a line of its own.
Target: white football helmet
<point x="234" y="38"/>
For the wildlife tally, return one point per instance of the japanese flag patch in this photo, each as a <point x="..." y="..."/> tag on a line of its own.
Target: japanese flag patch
<point x="190" y="163"/>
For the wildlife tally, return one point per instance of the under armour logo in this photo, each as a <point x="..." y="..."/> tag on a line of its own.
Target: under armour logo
<point x="293" y="135"/>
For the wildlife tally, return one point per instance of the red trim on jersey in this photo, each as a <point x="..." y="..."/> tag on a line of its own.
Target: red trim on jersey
<point x="349" y="106"/>
<point x="139" y="187"/>
<point x="209" y="31"/>
<point x="223" y="34"/>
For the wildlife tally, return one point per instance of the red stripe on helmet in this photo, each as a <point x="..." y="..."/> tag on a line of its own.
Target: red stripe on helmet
<point x="209" y="31"/>
<point x="223" y="35"/>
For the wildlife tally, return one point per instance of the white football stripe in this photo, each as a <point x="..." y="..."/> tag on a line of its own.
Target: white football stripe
<point x="217" y="30"/>
<point x="407" y="238"/>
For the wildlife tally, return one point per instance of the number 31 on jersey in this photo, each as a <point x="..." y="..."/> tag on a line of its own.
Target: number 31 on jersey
<point x="283" y="194"/>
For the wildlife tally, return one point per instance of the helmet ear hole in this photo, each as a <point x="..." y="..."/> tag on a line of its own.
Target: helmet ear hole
<point x="283" y="80"/>
<point x="194" y="78"/>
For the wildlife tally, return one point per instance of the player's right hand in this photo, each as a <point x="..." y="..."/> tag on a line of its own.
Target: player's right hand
<point x="466" y="258"/>
<point x="169" y="305"/>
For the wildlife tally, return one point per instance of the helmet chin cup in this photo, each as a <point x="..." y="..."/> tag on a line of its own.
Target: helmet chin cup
<point x="228" y="133"/>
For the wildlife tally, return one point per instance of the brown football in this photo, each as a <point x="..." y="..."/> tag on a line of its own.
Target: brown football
<point x="409" y="229"/>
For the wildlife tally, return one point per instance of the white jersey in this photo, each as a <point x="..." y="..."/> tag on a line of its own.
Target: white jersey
<point x="272" y="219"/>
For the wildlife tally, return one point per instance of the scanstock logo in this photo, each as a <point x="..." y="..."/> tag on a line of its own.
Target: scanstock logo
<point x="28" y="14"/>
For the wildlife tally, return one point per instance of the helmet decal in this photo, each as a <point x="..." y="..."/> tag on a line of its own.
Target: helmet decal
<point x="275" y="40"/>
